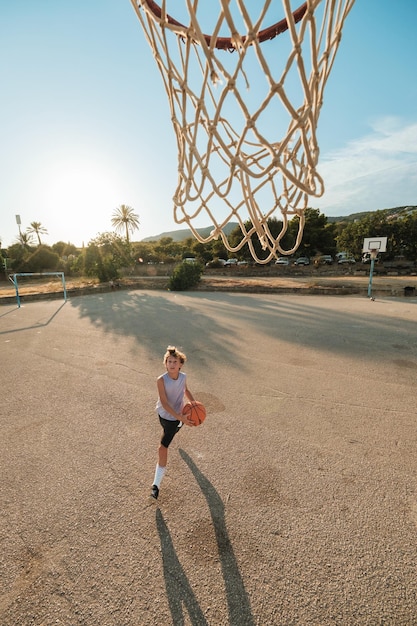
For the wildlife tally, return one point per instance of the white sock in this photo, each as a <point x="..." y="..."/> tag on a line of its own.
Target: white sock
<point x="159" y="474"/>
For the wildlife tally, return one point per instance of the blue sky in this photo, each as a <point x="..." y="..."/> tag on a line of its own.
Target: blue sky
<point x="85" y="124"/>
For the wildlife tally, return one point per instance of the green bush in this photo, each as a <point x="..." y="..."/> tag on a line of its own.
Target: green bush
<point x="185" y="276"/>
<point x="43" y="259"/>
<point x="99" y="265"/>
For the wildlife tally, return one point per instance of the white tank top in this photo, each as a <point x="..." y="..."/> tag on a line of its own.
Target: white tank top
<point x="175" y="390"/>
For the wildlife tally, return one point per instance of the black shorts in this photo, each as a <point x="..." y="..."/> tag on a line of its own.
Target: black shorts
<point x="170" y="430"/>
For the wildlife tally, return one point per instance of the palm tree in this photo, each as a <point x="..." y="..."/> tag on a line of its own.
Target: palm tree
<point x="124" y="219"/>
<point x="25" y="240"/>
<point x="37" y="229"/>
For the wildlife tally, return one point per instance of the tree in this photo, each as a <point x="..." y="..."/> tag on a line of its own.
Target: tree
<point x="64" y="249"/>
<point x="144" y="252"/>
<point x="318" y="234"/>
<point x="185" y="276"/>
<point x="114" y="247"/>
<point x="125" y="220"/>
<point x="25" y="240"/>
<point x="373" y="225"/>
<point x="274" y="228"/>
<point x="218" y="249"/>
<point x="168" y="250"/>
<point x="41" y="260"/>
<point x="244" y="253"/>
<point x="105" y="256"/>
<point x="202" y="251"/>
<point x="37" y="229"/>
<point x="407" y="236"/>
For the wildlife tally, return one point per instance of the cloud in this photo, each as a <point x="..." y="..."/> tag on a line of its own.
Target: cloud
<point x="373" y="172"/>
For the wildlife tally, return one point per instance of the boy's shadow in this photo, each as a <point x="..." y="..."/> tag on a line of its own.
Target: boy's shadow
<point x="178" y="588"/>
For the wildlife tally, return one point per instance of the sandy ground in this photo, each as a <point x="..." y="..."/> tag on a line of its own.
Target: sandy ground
<point x="294" y="503"/>
<point x="309" y="282"/>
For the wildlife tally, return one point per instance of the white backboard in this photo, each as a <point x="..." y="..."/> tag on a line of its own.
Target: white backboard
<point x="374" y="243"/>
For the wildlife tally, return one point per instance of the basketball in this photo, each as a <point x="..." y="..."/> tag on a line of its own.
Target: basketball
<point x="197" y="412"/>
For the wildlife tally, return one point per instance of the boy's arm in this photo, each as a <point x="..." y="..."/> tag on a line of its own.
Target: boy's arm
<point x="189" y="395"/>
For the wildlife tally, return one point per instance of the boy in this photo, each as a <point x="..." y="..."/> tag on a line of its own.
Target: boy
<point x="172" y="391"/>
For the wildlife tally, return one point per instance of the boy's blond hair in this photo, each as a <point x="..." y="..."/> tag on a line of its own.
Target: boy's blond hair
<point x="172" y="351"/>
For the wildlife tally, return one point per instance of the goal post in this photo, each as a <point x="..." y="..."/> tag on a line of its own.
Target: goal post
<point x="14" y="280"/>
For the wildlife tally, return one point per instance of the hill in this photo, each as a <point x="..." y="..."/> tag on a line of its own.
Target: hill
<point x="185" y="233"/>
<point x="395" y="213"/>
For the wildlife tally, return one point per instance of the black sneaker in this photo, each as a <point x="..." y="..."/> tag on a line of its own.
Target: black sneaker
<point x="154" y="492"/>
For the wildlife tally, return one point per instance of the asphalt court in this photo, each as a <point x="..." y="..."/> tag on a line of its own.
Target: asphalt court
<point x="294" y="503"/>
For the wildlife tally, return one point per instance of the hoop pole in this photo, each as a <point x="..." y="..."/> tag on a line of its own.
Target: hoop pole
<point x="64" y="286"/>
<point x="13" y="278"/>
<point x="371" y="273"/>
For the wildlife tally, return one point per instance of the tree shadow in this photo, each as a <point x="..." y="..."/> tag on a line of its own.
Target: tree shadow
<point x="178" y="588"/>
<point x="334" y="325"/>
<point x="153" y="319"/>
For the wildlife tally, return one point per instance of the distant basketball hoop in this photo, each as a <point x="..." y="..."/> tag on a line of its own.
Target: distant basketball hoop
<point x="373" y="246"/>
<point x="244" y="155"/>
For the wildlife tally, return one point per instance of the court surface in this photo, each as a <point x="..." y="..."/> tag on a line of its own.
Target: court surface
<point x="295" y="503"/>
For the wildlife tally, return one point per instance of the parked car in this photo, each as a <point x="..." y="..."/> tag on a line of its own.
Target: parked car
<point x="346" y="260"/>
<point x="325" y="259"/>
<point x="230" y="262"/>
<point x="366" y="258"/>
<point x="302" y="260"/>
<point x="282" y="260"/>
<point x="216" y="263"/>
<point x="242" y="263"/>
<point x="341" y="255"/>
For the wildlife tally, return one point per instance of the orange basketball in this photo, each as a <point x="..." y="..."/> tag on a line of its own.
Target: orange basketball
<point x="197" y="412"/>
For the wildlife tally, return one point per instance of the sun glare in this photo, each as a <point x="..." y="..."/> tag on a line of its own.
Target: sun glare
<point x="74" y="186"/>
<point x="79" y="198"/>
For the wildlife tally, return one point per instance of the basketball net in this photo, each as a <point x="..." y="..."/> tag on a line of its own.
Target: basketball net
<point x="246" y="122"/>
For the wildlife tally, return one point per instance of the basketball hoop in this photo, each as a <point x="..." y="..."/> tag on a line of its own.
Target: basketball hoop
<point x="244" y="154"/>
<point x="227" y="43"/>
<point x="372" y="246"/>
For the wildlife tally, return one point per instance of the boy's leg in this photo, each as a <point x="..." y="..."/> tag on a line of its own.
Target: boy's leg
<point x="160" y="466"/>
<point x="162" y="455"/>
<point x="170" y="430"/>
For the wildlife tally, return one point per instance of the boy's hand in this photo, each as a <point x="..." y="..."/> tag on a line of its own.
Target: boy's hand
<point x="186" y="418"/>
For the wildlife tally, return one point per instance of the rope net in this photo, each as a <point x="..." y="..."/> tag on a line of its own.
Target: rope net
<point x="245" y="122"/>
